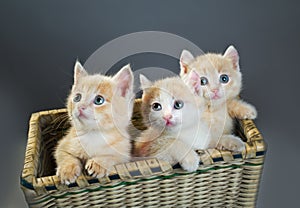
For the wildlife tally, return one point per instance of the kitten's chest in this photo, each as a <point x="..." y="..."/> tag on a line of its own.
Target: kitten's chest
<point x="218" y="121"/>
<point x="196" y="137"/>
<point x="95" y="143"/>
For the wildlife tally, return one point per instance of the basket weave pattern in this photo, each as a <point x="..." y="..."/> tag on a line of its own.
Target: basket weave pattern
<point x="223" y="179"/>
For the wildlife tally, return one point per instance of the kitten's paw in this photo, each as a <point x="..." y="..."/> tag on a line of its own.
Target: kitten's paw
<point x="95" y="170"/>
<point x="68" y="173"/>
<point x="232" y="143"/>
<point x="247" y="111"/>
<point x="191" y="162"/>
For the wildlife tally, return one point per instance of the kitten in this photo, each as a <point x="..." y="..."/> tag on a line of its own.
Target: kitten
<point x="221" y="82"/>
<point x="99" y="108"/>
<point x="172" y="112"/>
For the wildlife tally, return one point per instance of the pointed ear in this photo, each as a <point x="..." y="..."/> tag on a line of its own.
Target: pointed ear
<point x="185" y="58"/>
<point x="145" y="82"/>
<point x="233" y="55"/>
<point x="124" y="80"/>
<point x="79" y="72"/>
<point x="193" y="81"/>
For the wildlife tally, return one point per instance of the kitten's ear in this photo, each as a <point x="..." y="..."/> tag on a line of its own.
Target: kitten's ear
<point x="194" y="82"/>
<point x="233" y="55"/>
<point x="124" y="80"/>
<point x="145" y="82"/>
<point x="185" y="58"/>
<point x="79" y="71"/>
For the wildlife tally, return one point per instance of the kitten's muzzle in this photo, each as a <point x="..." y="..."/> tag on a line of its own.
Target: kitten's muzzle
<point x="81" y="112"/>
<point x="214" y="95"/>
<point x="168" y="118"/>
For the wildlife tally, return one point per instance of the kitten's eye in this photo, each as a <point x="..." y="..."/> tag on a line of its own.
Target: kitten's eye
<point x="224" y="78"/>
<point x="178" y="104"/>
<point x="99" y="100"/>
<point x="77" y="98"/>
<point x="156" y="106"/>
<point x="204" y="81"/>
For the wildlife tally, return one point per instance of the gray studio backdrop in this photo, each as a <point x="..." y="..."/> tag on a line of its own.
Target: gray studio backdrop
<point x="40" y="40"/>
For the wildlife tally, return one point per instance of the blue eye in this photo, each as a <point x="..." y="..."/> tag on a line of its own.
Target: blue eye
<point x="204" y="81"/>
<point x="99" y="100"/>
<point x="156" y="106"/>
<point x="224" y="78"/>
<point x="178" y="104"/>
<point x="77" y="98"/>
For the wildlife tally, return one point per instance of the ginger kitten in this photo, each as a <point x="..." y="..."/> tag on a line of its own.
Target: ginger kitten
<point x="172" y="113"/>
<point x="221" y="83"/>
<point x="100" y="109"/>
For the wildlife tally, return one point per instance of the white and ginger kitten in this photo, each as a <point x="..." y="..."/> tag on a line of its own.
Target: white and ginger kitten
<point x="100" y="109"/>
<point x="221" y="83"/>
<point x="171" y="111"/>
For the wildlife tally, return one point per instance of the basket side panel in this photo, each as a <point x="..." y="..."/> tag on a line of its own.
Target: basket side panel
<point x="214" y="186"/>
<point x="250" y="181"/>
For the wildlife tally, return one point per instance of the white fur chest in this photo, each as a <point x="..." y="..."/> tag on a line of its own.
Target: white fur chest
<point x="219" y="122"/>
<point x="196" y="137"/>
<point x="95" y="143"/>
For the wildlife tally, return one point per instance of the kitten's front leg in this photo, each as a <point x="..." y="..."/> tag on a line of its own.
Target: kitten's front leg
<point x="232" y="143"/>
<point x="69" y="171"/>
<point x="241" y="110"/>
<point x="190" y="162"/>
<point x="185" y="155"/>
<point x="68" y="163"/>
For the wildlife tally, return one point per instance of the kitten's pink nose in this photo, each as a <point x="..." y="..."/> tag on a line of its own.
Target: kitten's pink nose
<point x="168" y="117"/>
<point x="81" y="111"/>
<point x="82" y="108"/>
<point x="215" y="91"/>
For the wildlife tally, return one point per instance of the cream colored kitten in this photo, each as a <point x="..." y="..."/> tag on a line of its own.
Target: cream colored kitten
<point x="172" y="113"/>
<point x="221" y="82"/>
<point x="99" y="108"/>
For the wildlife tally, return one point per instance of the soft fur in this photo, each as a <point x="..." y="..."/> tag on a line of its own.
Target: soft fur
<point x="98" y="139"/>
<point x="222" y="101"/>
<point x="172" y="134"/>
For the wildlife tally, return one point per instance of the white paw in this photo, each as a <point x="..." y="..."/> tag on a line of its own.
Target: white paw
<point x="250" y="113"/>
<point x="233" y="144"/>
<point x="191" y="162"/>
<point x="68" y="173"/>
<point x="237" y="146"/>
<point x="95" y="170"/>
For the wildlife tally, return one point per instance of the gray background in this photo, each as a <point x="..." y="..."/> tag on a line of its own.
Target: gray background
<point x="40" y="40"/>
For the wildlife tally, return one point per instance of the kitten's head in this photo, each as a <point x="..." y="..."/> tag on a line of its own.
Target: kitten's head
<point x="169" y="104"/>
<point x="220" y="75"/>
<point x="99" y="102"/>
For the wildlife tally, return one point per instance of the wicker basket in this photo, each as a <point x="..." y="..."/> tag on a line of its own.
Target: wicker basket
<point x="223" y="179"/>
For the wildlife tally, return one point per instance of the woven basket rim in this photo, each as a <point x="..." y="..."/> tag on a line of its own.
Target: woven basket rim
<point x="138" y="170"/>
